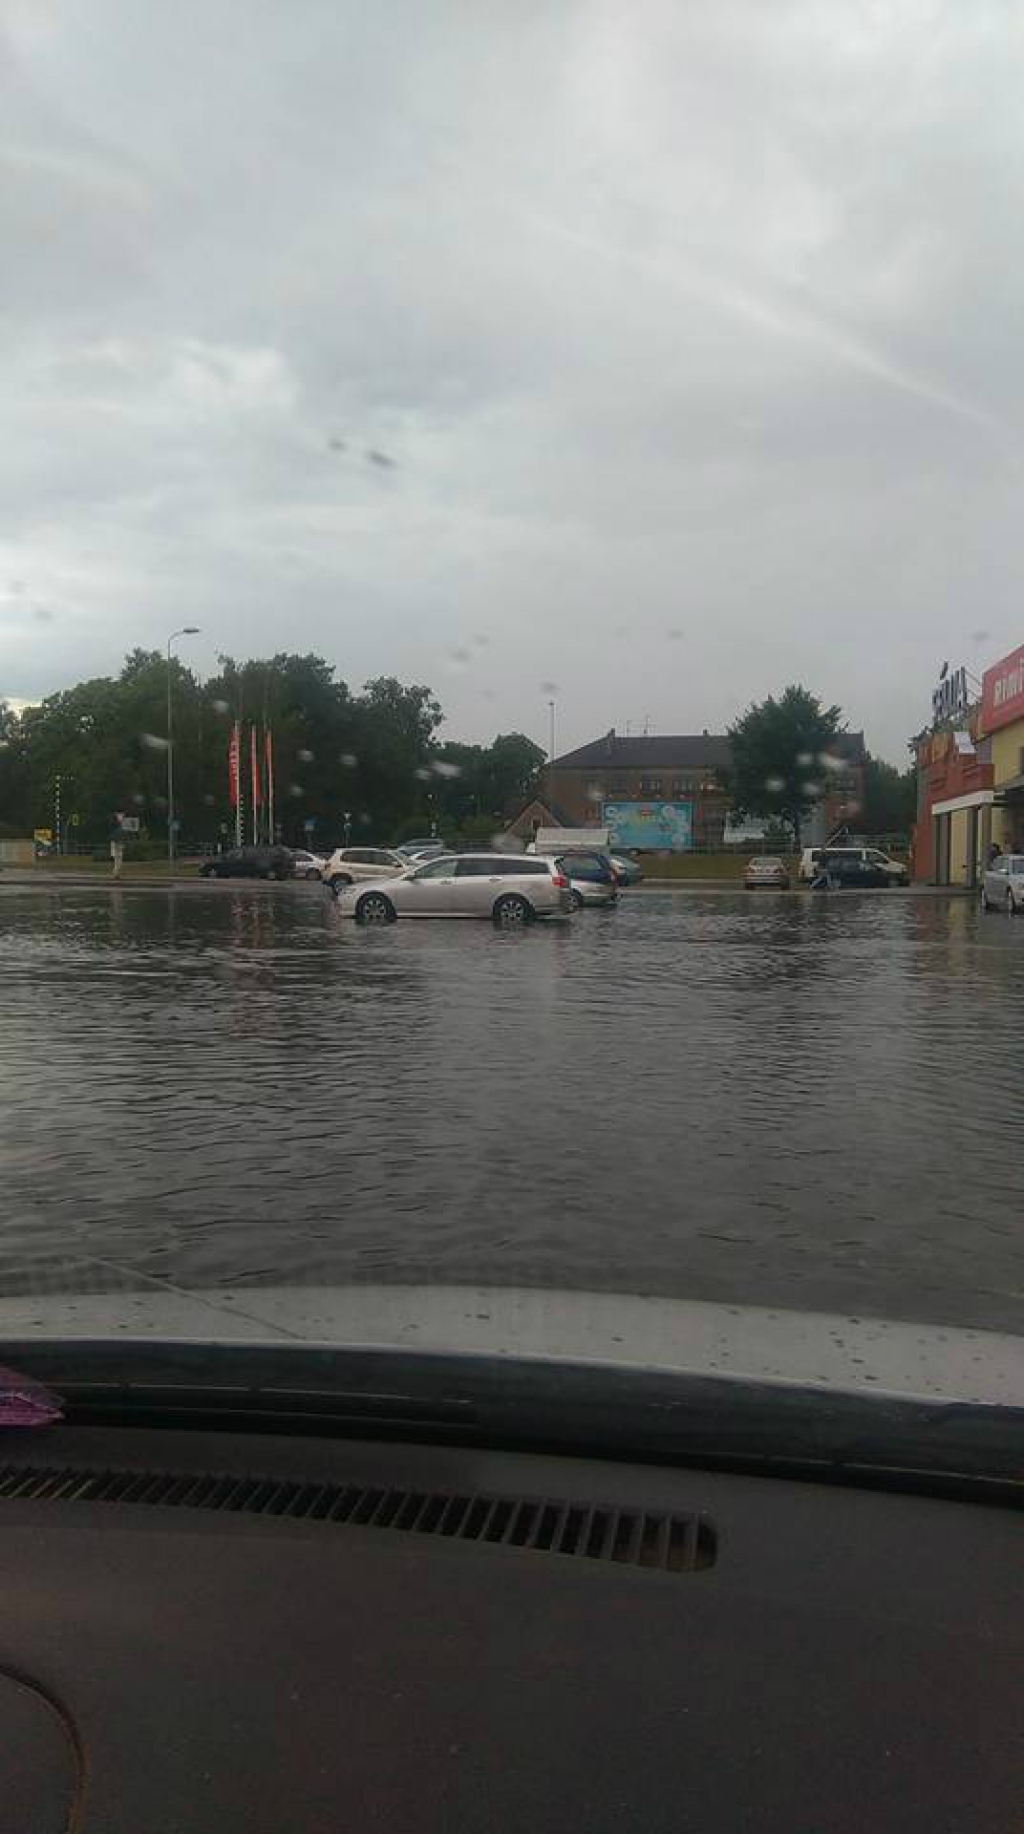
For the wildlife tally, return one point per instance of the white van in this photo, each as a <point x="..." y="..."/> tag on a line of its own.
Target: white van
<point x="569" y="840"/>
<point x="811" y="857"/>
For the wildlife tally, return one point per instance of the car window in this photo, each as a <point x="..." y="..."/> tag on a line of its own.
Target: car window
<point x="477" y="869"/>
<point x="1002" y="864"/>
<point x="436" y="869"/>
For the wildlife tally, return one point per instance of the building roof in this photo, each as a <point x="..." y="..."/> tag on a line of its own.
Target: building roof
<point x="653" y="751"/>
<point x="559" y="818"/>
<point x="678" y="751"/>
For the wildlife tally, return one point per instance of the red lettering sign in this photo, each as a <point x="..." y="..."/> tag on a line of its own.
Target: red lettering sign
<point x="1002" y="692"/>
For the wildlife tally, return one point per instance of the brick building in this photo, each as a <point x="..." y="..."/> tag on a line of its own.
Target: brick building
<point x="649" y="775"/>
<point x="669" y="790"/>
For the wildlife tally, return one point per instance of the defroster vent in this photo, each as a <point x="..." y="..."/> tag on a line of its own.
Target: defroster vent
<point x="654" y="1539"/>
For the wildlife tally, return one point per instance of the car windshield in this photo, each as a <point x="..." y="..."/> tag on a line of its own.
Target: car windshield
<point x="525" y="434"/>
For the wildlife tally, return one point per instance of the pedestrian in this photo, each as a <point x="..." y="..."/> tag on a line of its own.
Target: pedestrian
<point x="117" y="846"/>
<point x="993" y="854"/>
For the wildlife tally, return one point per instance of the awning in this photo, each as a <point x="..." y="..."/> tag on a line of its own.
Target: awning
<point x="1013" y="787"/>
<point x="975" y="801"/>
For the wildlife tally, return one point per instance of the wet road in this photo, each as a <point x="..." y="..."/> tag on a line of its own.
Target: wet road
<point x="769" y="1101"/>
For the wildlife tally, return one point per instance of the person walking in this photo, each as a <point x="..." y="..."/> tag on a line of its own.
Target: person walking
<point x="117" y="846"/>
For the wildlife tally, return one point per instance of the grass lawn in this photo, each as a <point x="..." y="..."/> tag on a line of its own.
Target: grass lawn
<point x="131" y="869"/>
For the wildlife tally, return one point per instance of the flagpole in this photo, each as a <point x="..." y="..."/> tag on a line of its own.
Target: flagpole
<point x="268" y="744"/>
<point x="254" y="771"/>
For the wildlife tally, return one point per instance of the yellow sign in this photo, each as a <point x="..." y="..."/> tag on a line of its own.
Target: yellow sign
<point x="43" y="834"/>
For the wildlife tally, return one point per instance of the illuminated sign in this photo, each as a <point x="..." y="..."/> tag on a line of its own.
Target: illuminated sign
<point x="1002" y="692"/>
<point x="950" y="699"/>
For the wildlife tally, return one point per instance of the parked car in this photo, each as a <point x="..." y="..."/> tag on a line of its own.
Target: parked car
<point x="1002" y="885"/>
<point x="428" y="849"/>
<point x="591" y="878"/>
<point x="306" y="865"/>
<point x="812" y="857"/>
<point x="626" y="869"/>
<point x="855" y="874"/>
<point x="249" y="863"/>
<point x="767" y="871"/>
<point x="506" y="887"/>
<point x="353" y="865"/>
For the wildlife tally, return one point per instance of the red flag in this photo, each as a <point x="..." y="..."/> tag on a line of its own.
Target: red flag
<point x="255" y="763"/>
<point x="233" y="748"/>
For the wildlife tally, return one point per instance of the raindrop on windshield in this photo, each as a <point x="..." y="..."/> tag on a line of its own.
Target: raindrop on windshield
<point x="153" y="741"/>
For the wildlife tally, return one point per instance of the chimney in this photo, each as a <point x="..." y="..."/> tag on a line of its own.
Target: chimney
<point x="609" y="744"/>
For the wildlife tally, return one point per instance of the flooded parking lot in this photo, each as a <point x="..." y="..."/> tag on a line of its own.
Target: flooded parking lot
<point x="811" y="1103"/>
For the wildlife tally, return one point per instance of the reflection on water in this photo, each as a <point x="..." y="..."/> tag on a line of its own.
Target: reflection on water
<point x="770" y="1101"/>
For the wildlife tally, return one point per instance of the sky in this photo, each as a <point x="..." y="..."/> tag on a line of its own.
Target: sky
<point x="643" y="358"/>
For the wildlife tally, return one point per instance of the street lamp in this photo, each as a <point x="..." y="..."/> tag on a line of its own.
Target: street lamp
<point x="187" y="630"/>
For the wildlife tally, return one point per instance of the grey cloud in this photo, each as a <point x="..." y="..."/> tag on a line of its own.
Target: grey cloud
<point x="671" y="349"/>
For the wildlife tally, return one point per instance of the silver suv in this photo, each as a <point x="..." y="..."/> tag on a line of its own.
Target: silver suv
<point x="351" y="865"/>
<point x="510" y="888"/>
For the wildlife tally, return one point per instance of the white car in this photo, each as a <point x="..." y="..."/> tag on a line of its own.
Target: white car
<point x="353" y="865"/>
<point x="812" y="857"/>
<point x="1002" y="884"/>
<point x="306" y="865"/>
<point x="505" y="887"/>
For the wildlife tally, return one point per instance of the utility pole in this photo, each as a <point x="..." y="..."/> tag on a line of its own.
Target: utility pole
<point x="187" y="630"/>
<point x="551" y="750"/>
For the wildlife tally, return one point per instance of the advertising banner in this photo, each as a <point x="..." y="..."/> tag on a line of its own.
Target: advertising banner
<point x="1002" y="692"/>
<point x="664" y="826"/>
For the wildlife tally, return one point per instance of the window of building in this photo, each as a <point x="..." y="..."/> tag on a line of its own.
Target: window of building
<point x="651" y="786"/>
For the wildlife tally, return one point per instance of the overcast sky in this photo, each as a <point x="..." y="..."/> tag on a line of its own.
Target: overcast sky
<point x="663" y="350"/>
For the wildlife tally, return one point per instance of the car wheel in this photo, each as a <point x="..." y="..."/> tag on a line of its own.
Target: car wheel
<point x="575" y="901"/>
<point x="373" y="907"/>
<point x="338" y="880"/>
<point x="312" y="873"/>
<point x="513" y="911"/>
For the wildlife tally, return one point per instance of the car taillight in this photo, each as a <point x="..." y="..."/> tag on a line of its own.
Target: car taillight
<point x="559" y="880"/>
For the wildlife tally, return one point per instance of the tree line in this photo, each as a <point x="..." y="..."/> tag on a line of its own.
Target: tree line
<point x="367" y="761"/>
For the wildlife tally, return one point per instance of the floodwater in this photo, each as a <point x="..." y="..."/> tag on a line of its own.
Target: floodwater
<point x="800" y="1102"/>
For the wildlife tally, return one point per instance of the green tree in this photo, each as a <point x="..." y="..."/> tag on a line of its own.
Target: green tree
<point x="780" y="756"/>
<point x="890" y="798"/>
<point x="477" y="784"/>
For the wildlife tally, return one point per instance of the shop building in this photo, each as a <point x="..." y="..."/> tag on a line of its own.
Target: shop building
<point x="970" y="774"/>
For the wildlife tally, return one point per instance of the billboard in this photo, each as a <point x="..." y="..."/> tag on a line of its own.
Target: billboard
<point x="667" y="826"/>
<point x="1002" y="692"/>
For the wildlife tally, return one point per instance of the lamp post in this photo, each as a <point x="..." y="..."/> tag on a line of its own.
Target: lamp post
<point x="187" y="630"/>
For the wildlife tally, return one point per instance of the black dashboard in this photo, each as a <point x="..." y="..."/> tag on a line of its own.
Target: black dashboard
<point x="209" y="1631"/>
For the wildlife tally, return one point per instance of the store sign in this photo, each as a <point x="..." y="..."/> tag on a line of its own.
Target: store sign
<point x="1002" y="692"/>
<point x="950" y="698"/>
